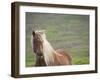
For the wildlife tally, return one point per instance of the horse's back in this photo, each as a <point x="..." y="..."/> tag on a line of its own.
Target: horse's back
<point x="64" y="57"/>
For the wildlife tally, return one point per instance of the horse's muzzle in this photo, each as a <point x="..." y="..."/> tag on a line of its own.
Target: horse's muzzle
<point x="38" y="52"/>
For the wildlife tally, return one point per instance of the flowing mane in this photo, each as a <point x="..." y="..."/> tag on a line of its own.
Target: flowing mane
<point x="51" y="57"/>
<point x="48" y="53"/>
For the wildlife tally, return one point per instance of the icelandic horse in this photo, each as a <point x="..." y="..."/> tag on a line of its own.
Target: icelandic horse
<point x="45" y="54"/>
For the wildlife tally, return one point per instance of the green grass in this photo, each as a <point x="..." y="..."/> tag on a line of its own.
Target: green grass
<point x="30" y="59"/>
<point x="68" y="32"/>
<point x="79" y="61"/>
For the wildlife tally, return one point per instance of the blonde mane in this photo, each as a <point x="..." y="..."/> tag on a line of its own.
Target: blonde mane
<point x="48" y="52"/>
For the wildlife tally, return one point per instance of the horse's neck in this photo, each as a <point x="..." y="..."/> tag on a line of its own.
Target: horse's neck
<point x="48" y="52"/>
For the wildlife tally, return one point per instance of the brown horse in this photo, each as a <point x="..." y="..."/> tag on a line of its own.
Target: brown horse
<point x="47" y="56"/>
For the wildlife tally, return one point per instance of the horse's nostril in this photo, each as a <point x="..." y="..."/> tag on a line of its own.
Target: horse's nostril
<point x="40" y="54"/>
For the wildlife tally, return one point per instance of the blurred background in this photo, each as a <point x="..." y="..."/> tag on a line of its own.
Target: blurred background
<point x="64" y="31"/>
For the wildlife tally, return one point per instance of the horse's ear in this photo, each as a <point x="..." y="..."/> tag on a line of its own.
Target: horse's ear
<point x="33" y="33"/>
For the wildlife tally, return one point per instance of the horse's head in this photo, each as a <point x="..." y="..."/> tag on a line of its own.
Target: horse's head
<point x="38" y="39"/>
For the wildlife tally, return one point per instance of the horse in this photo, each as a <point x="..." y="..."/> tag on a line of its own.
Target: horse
<point x="47" y="56"/>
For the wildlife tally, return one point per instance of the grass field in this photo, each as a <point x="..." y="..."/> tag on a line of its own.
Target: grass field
<point x="68" y="32"/>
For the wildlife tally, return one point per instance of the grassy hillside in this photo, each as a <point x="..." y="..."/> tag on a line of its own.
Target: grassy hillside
<point x="68" y="32"/>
